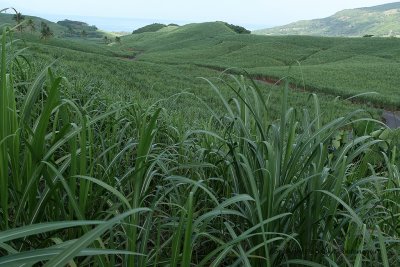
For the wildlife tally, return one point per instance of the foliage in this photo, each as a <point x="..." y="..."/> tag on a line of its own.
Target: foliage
<point x="19" y="18"/>
<point x="7" y="19"/>
<point x="238" y="29"/>
<point x="31" y="24"/>
<point x="76" y="28"/>
<point x="150" y="28"/>
<point x="74" y="24"/>
<point x="379" y="21"/>
<point x="93" y="179"/>
<point x="111" y="70"/>
<point x="106" y="40"/>
<point x="45" y="31"/>
<point x="336" y="66"/>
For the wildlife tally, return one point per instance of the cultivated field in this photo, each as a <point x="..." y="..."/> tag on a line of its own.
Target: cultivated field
<point x="144" y="153"/>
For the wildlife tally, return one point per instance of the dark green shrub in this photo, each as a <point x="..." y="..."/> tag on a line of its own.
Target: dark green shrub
<point x="150" y="28"/>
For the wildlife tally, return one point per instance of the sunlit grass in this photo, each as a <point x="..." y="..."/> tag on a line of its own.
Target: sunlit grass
<point x="91" y="180"/>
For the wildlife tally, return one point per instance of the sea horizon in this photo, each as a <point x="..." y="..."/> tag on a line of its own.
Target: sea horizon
<point x="116" y="24"/>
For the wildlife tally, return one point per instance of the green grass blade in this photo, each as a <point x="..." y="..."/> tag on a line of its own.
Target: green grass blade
<point x="187" y="243"/>
<point x="303" y="263"/>
<point x="66" y="255"/>
<point x="35" y="256"/>
<point x="35" y="229"/>
<point x="382" y="246"/>
<point x="358" y="261"/>
<point x="4" y="124"/>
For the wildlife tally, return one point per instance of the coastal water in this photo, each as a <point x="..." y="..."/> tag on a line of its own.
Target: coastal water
<point x="114" y="24"/>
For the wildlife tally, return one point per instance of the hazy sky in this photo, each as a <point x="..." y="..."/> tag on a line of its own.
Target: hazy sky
<point x="250" y="12"/>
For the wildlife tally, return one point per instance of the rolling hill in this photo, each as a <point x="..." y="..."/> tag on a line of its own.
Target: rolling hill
<point x="109" y="157"/>
<point x="7" y="20"/>
<point x="382" y="20"/>
<point x="64" y="28"/>
<point x="335" y="65"/>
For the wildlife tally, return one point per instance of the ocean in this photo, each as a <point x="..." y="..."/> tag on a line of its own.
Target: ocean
<point x="114" y="24"/>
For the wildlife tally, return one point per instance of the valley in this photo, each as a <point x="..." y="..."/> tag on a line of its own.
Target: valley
<point x="196" y="145"/>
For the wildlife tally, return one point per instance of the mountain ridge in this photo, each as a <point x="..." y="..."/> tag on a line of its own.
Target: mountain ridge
<point x="381" y="20"/>
<point x="62" y="28"/>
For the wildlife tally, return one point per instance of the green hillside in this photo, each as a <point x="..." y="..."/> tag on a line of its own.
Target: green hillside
<point x="363" y="64"/>
<point x="64" y="28"/>
<point x="181" y="147"/>
<point x="78" y="28"/>
<point x="382" y="20"/>
<point x="179" y="55"/>
<point x="7" y="20"/>
<point x="150" y="28"/>
<point x="334" y="66"/>
<point x="175" y="38"/>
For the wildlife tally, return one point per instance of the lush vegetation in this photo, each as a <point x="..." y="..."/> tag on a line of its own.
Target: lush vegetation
<point x="29" y="24"/>
<point x="237" y="28"/>
<point x="158" y="26"/>
<point x="119" y="71"/>
<point x="379" y="20"/>
<point x="45" y="31"/>
<point x="337" y="66"/>
<point x="150" y="28"/>
<point x="119" y="156"/>
<point x="78" y="28"/>
<point x="61" y="29"/>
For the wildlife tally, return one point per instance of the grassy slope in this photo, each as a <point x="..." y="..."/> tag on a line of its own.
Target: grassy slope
<point x="110" y="69"/>
<point x="7" y="19"/>
<point x="57" y="29"/>
<point x="379" y="20"/>
<point x="259" y="192"/>
<point x="340" y="66"/>
<point x="348" y="66"/>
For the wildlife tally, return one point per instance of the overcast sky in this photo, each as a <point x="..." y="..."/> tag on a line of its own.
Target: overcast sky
<point x="255" y="12"/>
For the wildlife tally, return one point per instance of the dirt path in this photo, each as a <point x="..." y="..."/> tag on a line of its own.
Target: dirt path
<point x="133" y="57"/>
<point x="391" y="118"/>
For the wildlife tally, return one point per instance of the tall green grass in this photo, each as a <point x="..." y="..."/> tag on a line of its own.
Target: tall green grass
<point x="86" y="181"/>
<point x="330" y="196"/>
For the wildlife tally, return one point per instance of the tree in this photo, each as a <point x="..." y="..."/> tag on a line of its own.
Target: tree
<point x="237" y="29"/>
<point x="118" y="39"/>
<point x="84" y="34"/>
<point x="150" y="28"/>
<point x="19" y="18"/>
<point x="105" y="39"/>
<point x="70" y="30"/>
<point x="31" y="25"/>
<point x="45" y="31"/>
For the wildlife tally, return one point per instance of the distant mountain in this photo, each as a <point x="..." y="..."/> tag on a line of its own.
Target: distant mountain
<point x="65" y="28"/>
<point x="79" y="28"/>
<point x="177" y="37"/>
<point x="158" y="26"/>
<point x="382" y="20"/>
<point x="150" y="28"/>
<point x="7" y="20"/>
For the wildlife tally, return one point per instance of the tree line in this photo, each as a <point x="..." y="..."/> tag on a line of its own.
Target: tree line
<point x="45" y="30"/>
